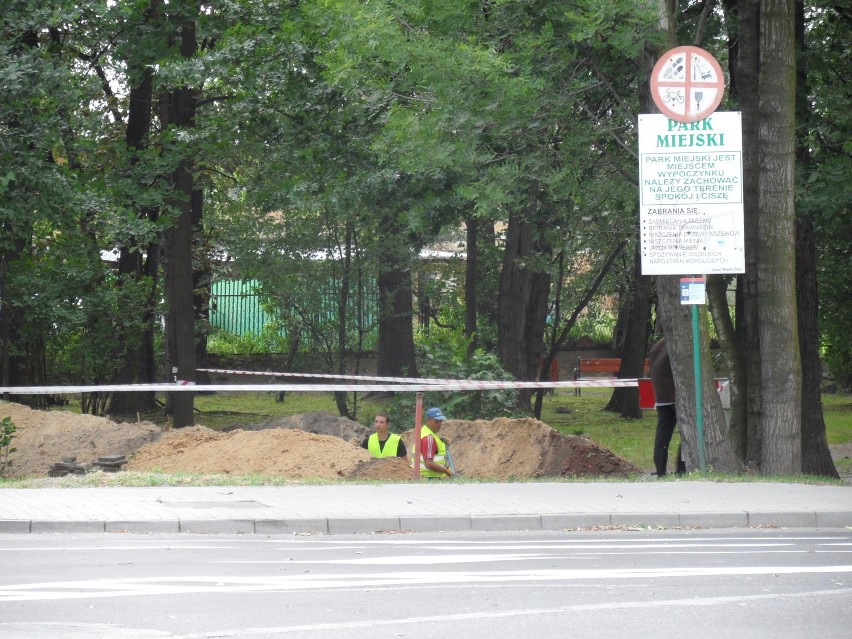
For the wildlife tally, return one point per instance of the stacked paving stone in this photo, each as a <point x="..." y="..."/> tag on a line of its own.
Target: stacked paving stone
<point x="111" y="463"/>
<point x="68" y="466"/>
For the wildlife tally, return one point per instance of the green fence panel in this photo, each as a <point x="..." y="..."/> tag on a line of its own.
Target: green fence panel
<point x="235" y="308"/>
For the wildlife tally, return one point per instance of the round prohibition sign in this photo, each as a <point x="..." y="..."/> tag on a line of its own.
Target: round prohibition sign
<point x="687" y="84"/>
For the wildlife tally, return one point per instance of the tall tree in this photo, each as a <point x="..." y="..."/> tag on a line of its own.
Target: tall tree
<point x="178" y="115"/>
<point x="522" y="302"/>
<point x="816" y="457"/>
<point x="747" y="21"/>
<point x="780" y="361"/>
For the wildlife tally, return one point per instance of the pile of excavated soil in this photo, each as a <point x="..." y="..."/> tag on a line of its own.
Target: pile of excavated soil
<point x="498" y="449"/>
<point x="505" y="448"/>
<point x="280" y="451"/>
<point x="386" y="469"/>
<point x="319" y="423"/>
<point x="45" y="437"/>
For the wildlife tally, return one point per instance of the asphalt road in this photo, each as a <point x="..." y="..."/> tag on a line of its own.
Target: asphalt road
<point x="656" y="583"/>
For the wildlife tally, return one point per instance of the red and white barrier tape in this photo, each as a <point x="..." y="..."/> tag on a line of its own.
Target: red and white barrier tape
<point x="451" y="385"/>
<point x="409" y="380"/>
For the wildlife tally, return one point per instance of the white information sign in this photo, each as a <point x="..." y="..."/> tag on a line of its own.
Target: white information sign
<point x="691" y="195"/>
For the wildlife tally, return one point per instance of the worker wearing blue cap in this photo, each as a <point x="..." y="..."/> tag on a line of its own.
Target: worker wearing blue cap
<point x="433" y="451"/>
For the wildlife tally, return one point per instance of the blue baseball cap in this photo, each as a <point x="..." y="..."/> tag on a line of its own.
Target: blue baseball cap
<point x="435" y="413"/>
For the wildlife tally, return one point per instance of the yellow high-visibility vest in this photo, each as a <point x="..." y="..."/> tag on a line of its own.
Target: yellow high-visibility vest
<point x="391" y="445"/>
<point x="439" y="458"/>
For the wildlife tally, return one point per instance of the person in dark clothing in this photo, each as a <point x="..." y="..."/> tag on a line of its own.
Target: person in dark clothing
<point x="383" y="443"/>
<point x="662" y="379"/>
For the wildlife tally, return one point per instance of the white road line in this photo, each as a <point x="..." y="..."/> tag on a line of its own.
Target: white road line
<point x="501" y="546"/>
<point x="66" y="549"/>
<point x="111" y="588"/>
<point x="488" y="542"/>
<point x="396" y="560"/>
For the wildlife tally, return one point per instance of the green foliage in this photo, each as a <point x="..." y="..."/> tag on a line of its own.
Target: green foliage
<point x="7" y="433"/>
<point x="326" y="125"/>
<point x="443" y="354"/>
<point x="226" y="344"/>
<point x="823" y="194"/>
<point x="596" y="323"/>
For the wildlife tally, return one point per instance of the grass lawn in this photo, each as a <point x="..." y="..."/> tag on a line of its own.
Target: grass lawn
<point x="632" y="439"/>
<point x="837" y="412"/>
<point x="564" y="411"/>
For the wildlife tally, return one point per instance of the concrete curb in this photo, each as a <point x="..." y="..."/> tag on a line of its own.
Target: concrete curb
<point x="504" y="523"/>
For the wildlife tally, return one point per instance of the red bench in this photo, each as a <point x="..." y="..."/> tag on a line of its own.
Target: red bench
<point x="600" y="366"/>
<point x="608" y="366"/>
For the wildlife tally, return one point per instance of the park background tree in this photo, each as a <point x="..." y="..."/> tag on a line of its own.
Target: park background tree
<point x="371" y="131"/>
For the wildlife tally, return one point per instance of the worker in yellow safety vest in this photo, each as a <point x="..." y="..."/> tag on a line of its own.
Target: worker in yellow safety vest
<point x="433" y="451"/>
<point x="383" y="443"/>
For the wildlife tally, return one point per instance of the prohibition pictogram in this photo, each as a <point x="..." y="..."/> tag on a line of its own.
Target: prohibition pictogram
<point x="687" y="84"/>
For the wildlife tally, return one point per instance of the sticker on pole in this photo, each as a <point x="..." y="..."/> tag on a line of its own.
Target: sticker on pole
<point x="692" y="290"/>
<point x="687" y="84"/>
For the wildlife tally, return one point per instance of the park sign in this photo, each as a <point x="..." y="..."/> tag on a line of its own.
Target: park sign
<point x="690" y="171"/>
<point x="687" y="84"/>
<point x="691" y="195"/>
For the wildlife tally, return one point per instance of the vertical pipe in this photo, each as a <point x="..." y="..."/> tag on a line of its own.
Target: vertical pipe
<point x="418" y="426"/>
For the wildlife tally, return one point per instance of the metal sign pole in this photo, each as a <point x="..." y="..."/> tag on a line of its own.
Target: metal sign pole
<point x="418" y="429"/>
<point x="699" y="408"/>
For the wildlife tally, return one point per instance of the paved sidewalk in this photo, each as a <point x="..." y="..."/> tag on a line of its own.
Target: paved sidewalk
<point x="423" y="507"/>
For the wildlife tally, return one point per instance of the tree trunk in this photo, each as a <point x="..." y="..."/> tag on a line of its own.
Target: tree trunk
<point x="676" y="323"/>
<point x="513" y="298"/>
<point x="816" y="456"/>
<point x="180" y="318"/>
<point x="521" y="306"/>
<point x="676" y="320"/>
<point x="396" y="354"/>
<point x="780" y="364"/>
<point x="343" y="317"/>
<point x="14" y="365"/>
<point x="725" y="331"/>
<point x="626" y="399"/>
<point x="748" y="336"/>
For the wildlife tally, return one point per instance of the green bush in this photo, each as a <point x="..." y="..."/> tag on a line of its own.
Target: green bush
<point x="7" y="433"/>
<point x="226" y="344"/>
<point x="596" y="324"/>
<point x="443" y="354"/>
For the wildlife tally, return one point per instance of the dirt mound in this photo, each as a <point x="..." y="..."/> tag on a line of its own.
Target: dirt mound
<point x="497" y="449"/>
<point x="388" y="469"/>
<point x="506" y="448"/>
<point x="289" y="453"/>
<point x="45" y="437"/>
<point x="320" y="423"/>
